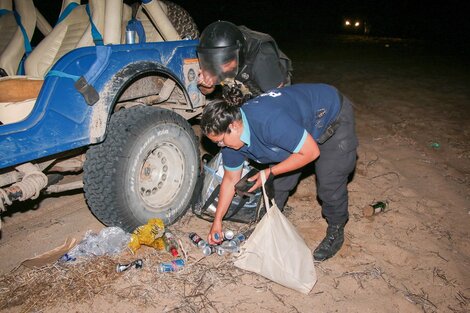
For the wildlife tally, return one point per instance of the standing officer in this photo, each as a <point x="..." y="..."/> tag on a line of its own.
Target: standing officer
<point x="243" y="60"/>
<point x="289" y="128"/>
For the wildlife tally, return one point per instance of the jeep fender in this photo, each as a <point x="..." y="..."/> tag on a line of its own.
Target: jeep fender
<point x="111" y="92"/>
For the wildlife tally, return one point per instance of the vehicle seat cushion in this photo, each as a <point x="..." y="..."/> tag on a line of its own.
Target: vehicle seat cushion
<point x="12" y="112"/>
<point x="8" y="28"/>
<point x="19" y="88"/>
<point x="63" y="38"/>
<point x="12" y="47"/>
<point x="73" y="32"/>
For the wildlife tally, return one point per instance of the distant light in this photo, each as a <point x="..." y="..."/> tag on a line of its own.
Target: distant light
<point x="357" y="24"/>
<point x="347" y="23"/>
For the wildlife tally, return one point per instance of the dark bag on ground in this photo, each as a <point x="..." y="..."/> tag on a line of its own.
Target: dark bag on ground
<point x="245" y="207"/>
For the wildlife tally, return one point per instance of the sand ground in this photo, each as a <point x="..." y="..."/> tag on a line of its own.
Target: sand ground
<point x="412" y="111"/>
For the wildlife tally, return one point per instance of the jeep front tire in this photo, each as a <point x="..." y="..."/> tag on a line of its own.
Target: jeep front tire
<point x="147" y="167"/>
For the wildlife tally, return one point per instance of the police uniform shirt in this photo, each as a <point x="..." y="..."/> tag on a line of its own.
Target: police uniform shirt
<point x="276" y="123"/>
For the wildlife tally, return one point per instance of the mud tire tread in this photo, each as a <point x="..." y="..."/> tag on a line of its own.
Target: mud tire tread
<point x="182" y="21"/>
<point x="103" y="160"/>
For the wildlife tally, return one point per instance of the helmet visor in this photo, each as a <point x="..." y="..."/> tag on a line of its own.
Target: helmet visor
<point x="219" y="63"/>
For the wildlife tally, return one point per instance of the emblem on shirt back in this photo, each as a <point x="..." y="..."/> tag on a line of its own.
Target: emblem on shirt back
<point x="321" y="112"/>
<point x="271" y="94"/>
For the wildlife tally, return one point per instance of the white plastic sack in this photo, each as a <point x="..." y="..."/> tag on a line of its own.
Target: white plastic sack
<point x="276" y="251"/>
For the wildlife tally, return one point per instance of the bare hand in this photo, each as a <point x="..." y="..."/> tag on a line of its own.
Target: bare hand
<point x="257" y="178"/>
<point x="215" y="235"/>
<point x="205" y="80"/>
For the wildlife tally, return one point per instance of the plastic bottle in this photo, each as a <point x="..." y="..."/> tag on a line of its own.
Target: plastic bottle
<point x="238" y="239"/>
<point x="109" y="241"/>
<point x="227" y="244"/>
<point x="229" y="248"/>
<point x="173" y="266"/>
<point x="171" y="244"/>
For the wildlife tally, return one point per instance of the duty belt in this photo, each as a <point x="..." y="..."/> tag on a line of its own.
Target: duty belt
<point x="331" y="129"/>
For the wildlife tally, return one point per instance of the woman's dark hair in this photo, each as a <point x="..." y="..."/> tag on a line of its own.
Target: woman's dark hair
<point x="234" y="95"/>
<point x="217" y="116"/>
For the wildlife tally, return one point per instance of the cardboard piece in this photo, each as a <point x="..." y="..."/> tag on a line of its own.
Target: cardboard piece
<point x="50" y="256"/>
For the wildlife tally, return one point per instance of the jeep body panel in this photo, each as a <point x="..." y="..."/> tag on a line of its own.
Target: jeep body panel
<point x="61" y="120"/>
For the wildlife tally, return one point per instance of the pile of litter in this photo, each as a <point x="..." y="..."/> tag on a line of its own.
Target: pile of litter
<point x="66" y="284"/>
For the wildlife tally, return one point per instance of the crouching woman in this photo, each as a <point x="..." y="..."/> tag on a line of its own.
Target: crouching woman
<point x="287" y="129"/>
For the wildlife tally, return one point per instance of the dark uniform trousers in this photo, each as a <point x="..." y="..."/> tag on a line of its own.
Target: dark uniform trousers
<point x="336" y="162"/>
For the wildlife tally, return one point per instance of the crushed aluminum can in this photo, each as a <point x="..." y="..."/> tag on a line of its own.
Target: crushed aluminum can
<point x="124" y="267"/>
<point x="229" y="234"/>
<point x="197" y="240"/>
<point x="208" y="250"/>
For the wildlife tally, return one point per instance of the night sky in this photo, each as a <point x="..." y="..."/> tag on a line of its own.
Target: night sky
<point x="418" y="19"/>
<point x="445" y="22"/>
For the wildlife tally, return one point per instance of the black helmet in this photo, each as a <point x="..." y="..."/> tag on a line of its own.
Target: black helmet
<point x="218" y="50"/>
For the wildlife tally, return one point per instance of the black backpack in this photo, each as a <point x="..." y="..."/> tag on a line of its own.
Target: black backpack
<point x="253" y="43"/>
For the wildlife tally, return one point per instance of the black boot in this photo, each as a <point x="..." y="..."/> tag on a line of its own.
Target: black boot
<point x="331" y="243"/>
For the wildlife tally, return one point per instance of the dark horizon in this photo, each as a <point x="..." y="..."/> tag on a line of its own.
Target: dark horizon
<point x="421" y="20"/>
<point x="401" y="19"/>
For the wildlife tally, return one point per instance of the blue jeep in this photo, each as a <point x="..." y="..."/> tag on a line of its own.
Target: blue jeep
<point x="120" y="113"/>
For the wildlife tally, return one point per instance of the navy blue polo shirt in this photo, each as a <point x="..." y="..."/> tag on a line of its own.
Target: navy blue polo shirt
<point x="276" y="123"/>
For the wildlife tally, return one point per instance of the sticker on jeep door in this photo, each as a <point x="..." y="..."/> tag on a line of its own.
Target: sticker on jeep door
<point x="191" y="71"/>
